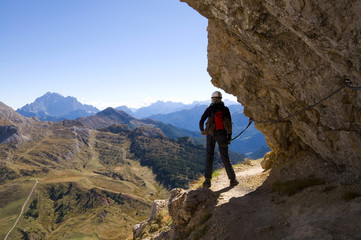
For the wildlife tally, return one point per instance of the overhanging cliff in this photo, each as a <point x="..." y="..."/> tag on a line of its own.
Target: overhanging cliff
<point x="281" y="56"/>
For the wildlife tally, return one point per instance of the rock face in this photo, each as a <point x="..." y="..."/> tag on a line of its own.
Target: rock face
<point x="189" y="211"/>
<point x="157" y="207"/>
<point x="14" y="128"/>
<point x="7" y="133"/>
<point x="281" y="56"/>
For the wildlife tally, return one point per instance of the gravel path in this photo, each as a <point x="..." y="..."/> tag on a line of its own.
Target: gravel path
<point x="245" y="174"/>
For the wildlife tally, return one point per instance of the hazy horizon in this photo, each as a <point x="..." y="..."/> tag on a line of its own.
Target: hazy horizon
<point x="130" y="107"/>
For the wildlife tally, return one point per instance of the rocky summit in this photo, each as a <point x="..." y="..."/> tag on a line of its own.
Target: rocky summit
<point x="55" y="107"/>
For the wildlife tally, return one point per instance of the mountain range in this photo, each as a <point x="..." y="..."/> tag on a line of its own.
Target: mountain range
<point x="174" y="118"/>
<point x="161" y="107"/>
<point x="88" y="179"/>
<point x="55" y="107"/>
<point x="111" y="116"/>
<point x="100" y="172"/>
<point x="251" y="143"/>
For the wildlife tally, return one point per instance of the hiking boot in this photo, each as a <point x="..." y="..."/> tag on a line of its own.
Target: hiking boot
<point x="233" y="182"/>
<point x="207" y="183"/>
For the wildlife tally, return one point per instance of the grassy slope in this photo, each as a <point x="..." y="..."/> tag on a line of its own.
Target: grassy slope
<point x="12" y="197"/>
<point x="100" y="173"/>
<point x="110" y="190"/>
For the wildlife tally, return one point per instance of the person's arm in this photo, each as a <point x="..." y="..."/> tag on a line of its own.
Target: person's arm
<point x="203" y="119"/>
<point x="227" y="114"/>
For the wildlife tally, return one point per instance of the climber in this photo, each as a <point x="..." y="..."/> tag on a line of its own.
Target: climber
<point x="218" y="129"/>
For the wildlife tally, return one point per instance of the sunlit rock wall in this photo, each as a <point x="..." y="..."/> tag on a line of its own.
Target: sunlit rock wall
<point x="279" y="57"/>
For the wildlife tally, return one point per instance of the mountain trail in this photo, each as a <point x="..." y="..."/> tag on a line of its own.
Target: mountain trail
<point x="250" y="176"/>
<point x="22" y="209"/>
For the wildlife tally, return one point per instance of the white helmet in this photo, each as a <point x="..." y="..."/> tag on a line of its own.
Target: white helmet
<point x="217" y="94"/>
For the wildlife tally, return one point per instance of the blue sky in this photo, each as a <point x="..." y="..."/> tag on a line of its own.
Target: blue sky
<point x="103" y="52"/>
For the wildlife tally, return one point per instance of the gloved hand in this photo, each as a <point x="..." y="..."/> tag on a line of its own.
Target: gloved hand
<point x="229" y="138"/>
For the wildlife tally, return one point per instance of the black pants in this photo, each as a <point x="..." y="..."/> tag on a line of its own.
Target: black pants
<point x="221" y="138"/>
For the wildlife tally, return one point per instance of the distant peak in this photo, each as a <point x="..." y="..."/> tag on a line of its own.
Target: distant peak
<point x="109" y="110"/>
<point x="53" y="94"/>
<point x="54" y="106"/>
<point x="112" y="111"/>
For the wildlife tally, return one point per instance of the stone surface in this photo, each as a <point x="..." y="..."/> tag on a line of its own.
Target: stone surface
<point x="281" y="56"/>
<point x="157" y="206"/>
<point x="7" y="133"/>
<point x="139" y="229"/>
<point x="14" y="128"/>
<point x="189" y="210"/>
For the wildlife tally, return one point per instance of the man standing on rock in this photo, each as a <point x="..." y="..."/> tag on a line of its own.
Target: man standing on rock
<point x="218" y="129"/>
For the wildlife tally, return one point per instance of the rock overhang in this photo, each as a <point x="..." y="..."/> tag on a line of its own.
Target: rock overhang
<point x="278" y="58"/>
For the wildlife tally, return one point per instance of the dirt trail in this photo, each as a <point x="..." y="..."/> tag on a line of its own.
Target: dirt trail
<point x="249" y="176"/>
<point x="22" y="210"/>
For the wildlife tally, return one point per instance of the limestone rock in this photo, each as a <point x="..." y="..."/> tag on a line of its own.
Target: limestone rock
<point x="278" y="58"/>
<point x="189" y="210"/>
<point x="268" y="161"/>
<point x="157" y="207"/>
